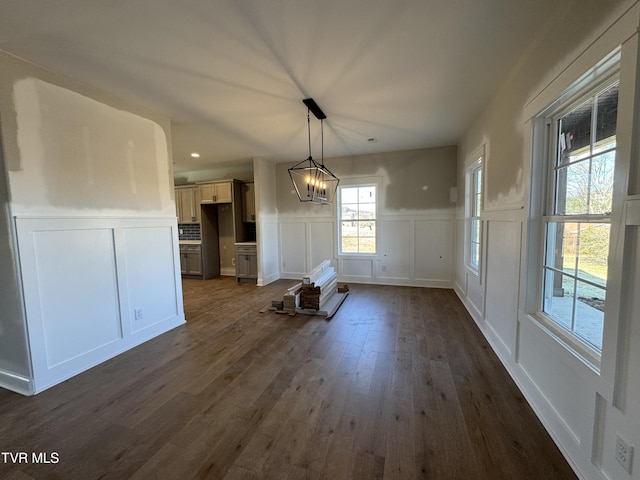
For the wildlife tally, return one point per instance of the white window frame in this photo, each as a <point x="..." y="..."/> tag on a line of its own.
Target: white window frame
<point x="543" y="191"/>
<point x="341" y="187"/>
<point x="471" y="195"/>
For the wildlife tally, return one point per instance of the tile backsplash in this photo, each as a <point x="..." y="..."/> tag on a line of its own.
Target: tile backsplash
<point x="190" y="231"/>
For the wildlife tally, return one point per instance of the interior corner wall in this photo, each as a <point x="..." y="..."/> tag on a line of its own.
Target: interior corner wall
<point x="416" y="220"/>
<point x="15" y="365"/>
<point x="89" y="207"/>
<point x="576" y="405"/>
<point x="266" y="221"/>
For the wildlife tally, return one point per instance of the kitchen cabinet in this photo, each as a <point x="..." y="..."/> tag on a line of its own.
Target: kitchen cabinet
<point x="248" y="203"/>
<point x="187" y="204"/>
<point x="246" y="261"/>
<point x="219" y="192"/>
<point x="190" y="259"/>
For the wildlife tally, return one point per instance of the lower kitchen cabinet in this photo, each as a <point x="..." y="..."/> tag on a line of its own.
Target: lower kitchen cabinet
<point x="246" y="262"/>
<point x="191" y="259"/>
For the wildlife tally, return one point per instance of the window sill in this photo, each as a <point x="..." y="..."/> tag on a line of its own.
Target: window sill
<point x="358" y="255"/>
<point x="574" y="345"/>
<point x="472" y="270"/>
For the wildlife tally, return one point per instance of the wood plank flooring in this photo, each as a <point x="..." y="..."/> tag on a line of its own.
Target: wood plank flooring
<point x="400" y="384"/>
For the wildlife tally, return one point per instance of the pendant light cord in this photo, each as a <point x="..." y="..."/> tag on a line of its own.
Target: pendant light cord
<point x="321" y="140"/>
<point x="309" y="132"/>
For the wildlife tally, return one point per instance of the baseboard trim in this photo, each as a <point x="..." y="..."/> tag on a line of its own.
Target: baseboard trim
<point x="16" y="383"/>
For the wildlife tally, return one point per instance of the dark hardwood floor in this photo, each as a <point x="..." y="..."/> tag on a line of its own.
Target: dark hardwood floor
<point x="400" y="384"/>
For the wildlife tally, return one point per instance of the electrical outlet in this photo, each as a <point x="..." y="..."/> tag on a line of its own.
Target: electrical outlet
<point x="624" y="453"/>
<point x="137" y="314"/>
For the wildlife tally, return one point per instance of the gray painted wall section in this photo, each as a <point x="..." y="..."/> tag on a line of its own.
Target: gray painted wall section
<point x="412" y="180"/>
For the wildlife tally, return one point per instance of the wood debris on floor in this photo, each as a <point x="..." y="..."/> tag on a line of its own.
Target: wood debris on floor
<point x="317" y="294"/>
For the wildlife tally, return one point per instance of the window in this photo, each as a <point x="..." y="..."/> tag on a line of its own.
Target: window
<point x="474" y="206"/>
<point x="358" y="211"/>
<point x="577" y="217"/>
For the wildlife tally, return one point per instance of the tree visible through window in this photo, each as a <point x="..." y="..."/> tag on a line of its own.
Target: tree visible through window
<point x="579" y="216"/>
<point x="358" y="219"/>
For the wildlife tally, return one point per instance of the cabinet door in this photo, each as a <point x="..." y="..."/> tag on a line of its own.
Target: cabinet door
<point x="187" y="206"/>
<point x="194" y="261"/>
<point x="183" y="261"/>
<point x="215" y="192"/>
<point x="207" y="192"/>
<point x="183" y="207"/>
<point x="223" y="193"/>
<point x="242" y="266"/>
<point x="195" y="204"/>
<point x="176" y="196"/>
<point x="248" y="203"/>
<point x="246" y="261"/>
<point x="253" y="266"/>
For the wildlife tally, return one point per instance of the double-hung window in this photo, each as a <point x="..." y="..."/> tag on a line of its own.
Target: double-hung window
<point x="577" y="216"/>
<point x="474" y="206"/>
<point x="358" y="219"/>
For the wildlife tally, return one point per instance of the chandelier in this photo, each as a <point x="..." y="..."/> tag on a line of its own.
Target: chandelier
<point x="314" y="183"/>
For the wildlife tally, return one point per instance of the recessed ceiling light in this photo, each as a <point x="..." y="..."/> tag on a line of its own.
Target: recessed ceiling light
<point x="195" y="155"/>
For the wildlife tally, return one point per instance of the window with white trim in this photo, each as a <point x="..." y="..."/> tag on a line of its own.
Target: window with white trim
<point x="473" y="209"/>
<point x="577" y="214"/>
<point x="357" y="210"/>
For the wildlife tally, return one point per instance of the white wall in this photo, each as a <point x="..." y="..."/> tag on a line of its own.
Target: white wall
<point x="266" y="221"/>
<point x="582" y="409"/>
<point x="93" y="219"/>
<point x="416" y="220"/>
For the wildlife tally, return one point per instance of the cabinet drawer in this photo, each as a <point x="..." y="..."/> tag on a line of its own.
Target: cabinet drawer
<point x="246" y="249"/>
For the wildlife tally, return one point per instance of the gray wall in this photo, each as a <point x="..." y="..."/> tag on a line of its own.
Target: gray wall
<point x="412" y="180"/>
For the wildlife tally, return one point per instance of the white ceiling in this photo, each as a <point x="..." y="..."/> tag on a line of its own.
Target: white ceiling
<point x="231" y="75"/>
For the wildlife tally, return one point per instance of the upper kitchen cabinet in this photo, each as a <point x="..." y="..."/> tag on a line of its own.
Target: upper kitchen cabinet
<point x="187" y="204"/>
<point x="218" y="192"/>
<point x="248" y="203"/>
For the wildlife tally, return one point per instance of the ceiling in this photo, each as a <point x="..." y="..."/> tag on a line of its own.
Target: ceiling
<point x="231" y="75"/>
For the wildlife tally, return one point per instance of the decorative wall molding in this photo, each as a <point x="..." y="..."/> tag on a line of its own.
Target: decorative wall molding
<point x="94" y="288"/>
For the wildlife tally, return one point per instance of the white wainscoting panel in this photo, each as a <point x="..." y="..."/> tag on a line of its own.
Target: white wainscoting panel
<point x="357" y="269"/>
<point x="475" y="294"/>
<point x="413" y="250"/>
<point x="268" y="255"/>
<point x="434" y="242"/>
<point x="83" y="280"/>
<point x="502" y="280"/>
<point x="460" y="271"/>
<point x="76" y="273"/>
<point x="395" y="262"/>
<point x="562" y="387"/>
<point x="149" y="282"/>
<point x="322" y="240"/>
<point x="293" y="249"/>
